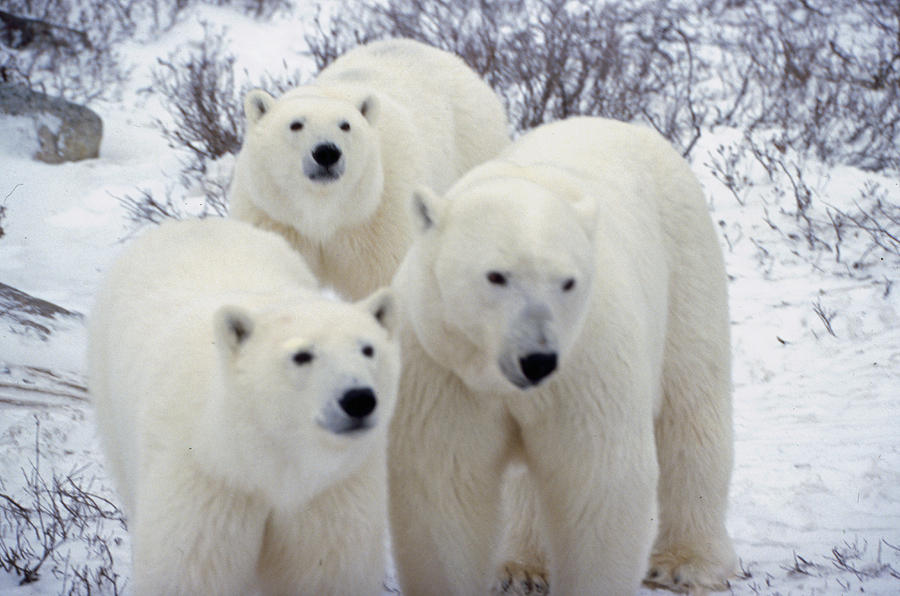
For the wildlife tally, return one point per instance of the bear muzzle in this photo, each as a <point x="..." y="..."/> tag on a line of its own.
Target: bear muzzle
<point x="538" y="366"/>
<point x="353" y="411"/>
<point x="529" y="353"/>
<point x="325" y="163"/>
<point x="529" y="370"/>
<point x="358" y="403"/>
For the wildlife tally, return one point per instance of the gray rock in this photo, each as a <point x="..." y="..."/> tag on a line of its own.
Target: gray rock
<point x="64" y="131"/>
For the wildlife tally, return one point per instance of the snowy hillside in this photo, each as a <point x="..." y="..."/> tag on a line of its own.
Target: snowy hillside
<point x="815" y="307"/>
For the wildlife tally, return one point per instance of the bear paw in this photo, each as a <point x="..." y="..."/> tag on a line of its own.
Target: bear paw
<point x="686" y="572"/>
<point x="515" y="579"/>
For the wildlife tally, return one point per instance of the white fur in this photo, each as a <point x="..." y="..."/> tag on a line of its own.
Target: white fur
<point x="608" y="259"/>
<point x="416" y="115"/>
<point x="227" y="453"/>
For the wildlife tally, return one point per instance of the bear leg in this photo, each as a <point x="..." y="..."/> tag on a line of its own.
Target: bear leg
<point x="695" y="442"/>
<point x="444" y="477"/>
<point x="523" y="570"/>
<point x="693" y="551"/>
<point x="191" y="535"/>
<point x="598" y="495"/>
<point x="332" y="545"/>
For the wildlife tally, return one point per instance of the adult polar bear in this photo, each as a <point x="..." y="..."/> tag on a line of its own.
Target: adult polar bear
<point x="331" y="165"/>
<point x="567" y="307"/>
<point x="243" y="417"/>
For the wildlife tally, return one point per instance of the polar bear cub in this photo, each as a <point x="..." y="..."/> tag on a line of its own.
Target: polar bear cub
<point x="566" y="309"/>
<point x="331" y="165"/>
<point x="243" y="416"/>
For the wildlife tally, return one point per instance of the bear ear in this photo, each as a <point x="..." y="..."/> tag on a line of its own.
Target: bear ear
<point x="382" y="305"/>
<point x="369" y="107"/>
<point x="256" y="103"/>
<point x="427" y="208"/>
<point x="233" y="325"/>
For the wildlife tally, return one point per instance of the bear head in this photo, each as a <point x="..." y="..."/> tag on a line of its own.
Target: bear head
<point x="309" y="390"/>
<point x="314" y="161"/>
<point x="498" y="282"/>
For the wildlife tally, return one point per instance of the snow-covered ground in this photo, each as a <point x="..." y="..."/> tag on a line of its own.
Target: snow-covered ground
<point x="815" y="505"/>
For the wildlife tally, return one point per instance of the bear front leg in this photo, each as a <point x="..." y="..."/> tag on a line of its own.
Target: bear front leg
<point x="694" y="432"/>
<point x="333" y="545"/>
<point x="523" y="567"/>
<point x="191" y="536"/>
<point x="597" y="487"/>
<point x="695" y="446"/>
<point x="693" y="552"/>
<point x="445" y="471"/>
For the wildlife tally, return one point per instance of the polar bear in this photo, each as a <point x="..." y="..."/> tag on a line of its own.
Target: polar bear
<point x="565" y="307"/>
<point x="331" y="165"/>
<point x="242" y="415"/>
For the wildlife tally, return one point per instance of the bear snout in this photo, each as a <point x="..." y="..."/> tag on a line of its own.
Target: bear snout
<point x="326" y="154"/>
<point x="352" y="411"/>
<point x="358" y="402"/>
<point x="325" y="163"/>
<point x="537" y="366"/>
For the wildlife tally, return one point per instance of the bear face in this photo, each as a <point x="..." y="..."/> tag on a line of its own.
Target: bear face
<point x="313" y="386"/>
<point x="508" y="270"/>
<point x="316" y="160"/>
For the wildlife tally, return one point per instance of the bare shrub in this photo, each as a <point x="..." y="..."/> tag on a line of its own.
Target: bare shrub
<point x="851" y="561"/>
<point x="825" y="315"/>
<point x="64" y="48"/>
<point x="725" y="167"/>
<point x="550" y="59"/>
<point x="823" y="74"/>
<point x="852" y="557"/>
<point x="859" y="231"/>
<point x="198" y="89"/>
<point x="40" y="525"/>
<point x="68" y="48"/>
<point x="275" y="83"/>
<point x="164" y="14"/>
<point x="256" y="8"/>
<point x="146" y="208"/>
<point x="876" y="217"/>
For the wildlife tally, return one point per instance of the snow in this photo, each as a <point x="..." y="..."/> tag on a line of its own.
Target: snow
<point x="816" y="486"/>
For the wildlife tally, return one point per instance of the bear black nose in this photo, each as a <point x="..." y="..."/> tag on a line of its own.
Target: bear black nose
<point x="538" y="366"/>
<point x="358" y="402"/>
<point x="326" y="154"/>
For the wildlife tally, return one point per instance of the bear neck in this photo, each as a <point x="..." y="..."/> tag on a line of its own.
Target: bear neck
<point x="227" y="447"/>
<point x="424" y="325"/>
<point x="376" y="246"/>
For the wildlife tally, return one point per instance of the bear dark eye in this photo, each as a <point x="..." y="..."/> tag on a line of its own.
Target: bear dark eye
<point x="368" y="351"/>
<point x="496" y="278"/>
<point x="296" y="125"/>
<point x="302" y="357"/>
<point x="568" y="284"/>
<point x="345" y="126"/>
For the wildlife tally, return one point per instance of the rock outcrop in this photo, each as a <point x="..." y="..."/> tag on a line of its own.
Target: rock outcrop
<point x="64" y="131"/>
